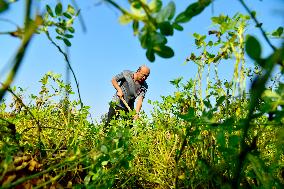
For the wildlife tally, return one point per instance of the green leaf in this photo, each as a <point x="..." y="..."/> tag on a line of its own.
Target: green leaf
<point x="177" y="26"/>
<point x="59" y="31"/>
<point x="135" y="27"/>
<point x="253" y="48"/>
<point x="68" y="36"/>
<point x="136" y="4"/>
<point x="155" y="5"/>
<point x="71" y="10"/>
<point x="280" y="89"/>
<point x="150" y="55"/>
<point x="157" y="39"/>
<point x="222" y="19"/>
<point x="167" y="13"/>
<point x="125" y="19"/>
<point x="125" y="164"/>
<point x="207" y="103"/>
<point x="144" y="40"/>
<point x="221" y="141"/>
<point x="176" y="81"/>
<point x="104" y="149"/>
<point x="164" y="51"/>
<point x="58" y="9"/>
<point x="189" y="116"/>
<point x="234" y="141"/>
<point x="67" y="15"/>
<point x="49" y="10"/>
<point x="192" y="10"/>
<point x="87" y="179"/>
<point x="67" y="42"/>
<point x="278" y="32"/>
<point x="71" y="29"/>
<point x="166" y="28"/>
<point x="210" y="43"/>
<point x="253" y="13"/>
<point x="220" y="100"/>
<point x="3" y="6"/>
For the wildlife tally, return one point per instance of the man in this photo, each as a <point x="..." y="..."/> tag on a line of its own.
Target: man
<point x="129" y="87"/>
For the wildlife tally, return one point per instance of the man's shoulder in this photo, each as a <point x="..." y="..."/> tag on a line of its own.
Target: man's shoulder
<point x="127" y="72"/>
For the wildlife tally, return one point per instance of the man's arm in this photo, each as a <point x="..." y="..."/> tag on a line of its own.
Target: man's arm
<point x="138" y="106"/>
<point x="117" y="87"/>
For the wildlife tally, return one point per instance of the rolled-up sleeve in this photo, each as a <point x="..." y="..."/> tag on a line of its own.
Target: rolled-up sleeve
<point x="119" y="77"/>
<point x="143" y="90"/>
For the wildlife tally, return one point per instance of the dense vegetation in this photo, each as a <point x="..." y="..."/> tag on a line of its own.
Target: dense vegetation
<point x="228" y="136"/>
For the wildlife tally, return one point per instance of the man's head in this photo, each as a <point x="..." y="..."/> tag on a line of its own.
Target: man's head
<point x="142" y="73"/>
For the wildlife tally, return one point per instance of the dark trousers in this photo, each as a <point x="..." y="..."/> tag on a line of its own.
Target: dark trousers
<point x="113" y="112"/>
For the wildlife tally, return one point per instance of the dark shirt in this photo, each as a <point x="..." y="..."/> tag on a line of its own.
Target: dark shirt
<point x="131" y="90"/>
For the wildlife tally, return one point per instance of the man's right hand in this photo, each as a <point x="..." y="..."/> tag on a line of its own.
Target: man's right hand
<point x="119" y="93"/>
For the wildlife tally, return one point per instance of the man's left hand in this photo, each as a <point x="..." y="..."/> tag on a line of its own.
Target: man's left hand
<point x="136" y="116"/>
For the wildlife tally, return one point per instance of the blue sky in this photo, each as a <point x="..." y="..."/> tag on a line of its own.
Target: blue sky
<point x="107" y="48"/>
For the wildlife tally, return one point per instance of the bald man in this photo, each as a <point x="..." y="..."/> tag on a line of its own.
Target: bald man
<point x="129" y="86"/>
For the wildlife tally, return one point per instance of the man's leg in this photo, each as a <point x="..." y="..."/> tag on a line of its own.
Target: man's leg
<point x="110" y="115"/>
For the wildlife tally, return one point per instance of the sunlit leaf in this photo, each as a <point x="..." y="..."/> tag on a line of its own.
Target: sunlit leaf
<point x="155" y="5"/>
<point x="176" y="81"/>
<point x="125" y="19"/>
<point x="87" y="179"/>
<point x="71" y="10"/>
<point x="136" y="4"/>
<point x="104" y="149"/>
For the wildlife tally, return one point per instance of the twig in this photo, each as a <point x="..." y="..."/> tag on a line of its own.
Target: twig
<point x="258" y="25"/>
<point x="69" y="65"/>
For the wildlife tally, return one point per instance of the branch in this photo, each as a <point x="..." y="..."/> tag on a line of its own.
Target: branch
<point x="68" y="63"/>
<point x="258" y="24"/>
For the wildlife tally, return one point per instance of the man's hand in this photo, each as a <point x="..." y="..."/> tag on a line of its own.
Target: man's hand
<point x="119" y="93"/>
<point x="136" y="116"/>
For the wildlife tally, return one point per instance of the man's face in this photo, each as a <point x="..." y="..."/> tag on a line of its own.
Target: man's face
<point x="143" y="74"/>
